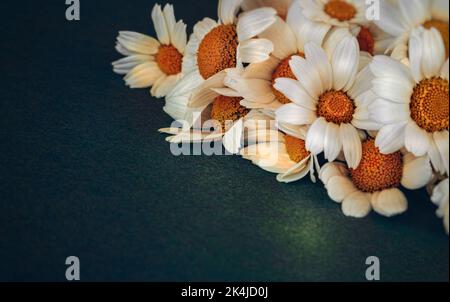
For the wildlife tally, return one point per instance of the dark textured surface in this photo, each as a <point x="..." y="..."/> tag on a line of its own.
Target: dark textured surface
<point x="84" y="172"/>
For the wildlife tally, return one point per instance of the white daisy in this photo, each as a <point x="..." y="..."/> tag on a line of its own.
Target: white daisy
<point x="375" y="183"/>
<point x="341" y="13"/>
<point x="440" y="198"/>
<point x="350" y="15"/>
<point x="412" y="103"/>
<point x="327" y="97"/>
<point x="215" y="47"/>
<point x="229" y="42"/>
<point x="281" y="6"/>
<point x="282" y="154"/>
<point x="400" y="17"/>
<point x="150" y="62"/>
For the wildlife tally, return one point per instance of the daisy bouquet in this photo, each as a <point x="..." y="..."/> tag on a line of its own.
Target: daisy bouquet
<point x="353" y="93"/>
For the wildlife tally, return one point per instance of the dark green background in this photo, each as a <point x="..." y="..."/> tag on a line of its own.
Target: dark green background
<point x="84" y="172"/>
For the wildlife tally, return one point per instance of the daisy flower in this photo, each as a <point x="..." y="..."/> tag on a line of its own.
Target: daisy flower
<point x="349" y="15"/>
<point x="282" y="154"/>
<point x="400" y="17"/>
<point x="327" y="97"/>
<point x="412" y="103"/>
<point x="214" y="47"/>
<point x="282" y="6"/>
<point x="151" y="62"/>
<point x="440" y="198"/>
<point x="375" y="183"/>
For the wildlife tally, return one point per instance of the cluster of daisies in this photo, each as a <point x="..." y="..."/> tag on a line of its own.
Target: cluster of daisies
<point x="292" y="84"/>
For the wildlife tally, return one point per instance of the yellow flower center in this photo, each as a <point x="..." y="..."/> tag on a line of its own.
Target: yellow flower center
<point x="340" y="10"/>
<point x="377" y="171"/>
<point x="442" y="27"/>
<point x="295" y="148"/>
<point x="217" y="51"/>
<point x="366" y="40"/>
<point x="227" y="109"/>
<point x="336" y="107"/>
<point x="429" y="104"/>
<point x="283" y="70"/>
<point x="169" y="59"/>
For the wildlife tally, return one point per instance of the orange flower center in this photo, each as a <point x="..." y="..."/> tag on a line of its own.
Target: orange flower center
<point x="340" y="10"/>
<point x="217" y="51"/>
<point x="377" y="171"/>
<point x="295" y="148"/>
<point x="226" y="110"/>
<point x="169" y="59"/>
<point x="442" y="27"/>
<point x="366" y="40"/>
<point x="429" y="104"/>
<point x="336" y="107"/>
<point x="283" y="70"/>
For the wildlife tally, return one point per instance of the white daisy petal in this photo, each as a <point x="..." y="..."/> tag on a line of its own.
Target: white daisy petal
<point x="143" y="75"/>
<point x="389" y="202"/>
<point x="396" y="90"/>
<point x="232" y="140"/>
<point x="415" y="56"/>
<point x="363" y="83"/>
<point x="334" y="37"/>
<point x="383" y="66"/>
<point x="179" y="36"/>
<point x="444" y="71"/>
<point x="385" y="112"/>
<point x="390" y="19"/>
<point x="414" y="12"/>
<point x="417" y="173"/>
<point x="202" y="28"/>
<point x="442" y="142"/>
<point x="138" y="43"/>
<point x="296" y="172"/>
<point x="345" y="62"/>
<point x="160" y="25"/>
<point x="295" y="92"/>
<point x="357" y="205"/>
<point x="330" y="170"/>
<point x="339" y="187"/>
<point x="295" y="115"/>
<point x="204" y="94"/>
<point x="307" y="75"/>
<point x="391" y="138"/>
<point x="169" y="16"/>
<point x="262" y="70"/>
<point x="305" y="29"/>
<point x="126" y="64"/>
<point x="252" y="23"/>
<point x="316" y="136"/>
<point x="351" y="143"/>
<point x="282" y="38"/>
<point x="318" y="58"/>
<point x="162" y="88"/>
<point x="440" y="192"/>
<point x="417" y="140"/>
<point x="227" y="10"/>
<point x="433" y="53"/>
<point x="254" y="50"/>
<point x="436" y="159"/>
<point x="332" y="142"/>
<point x="253" y="90"/>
